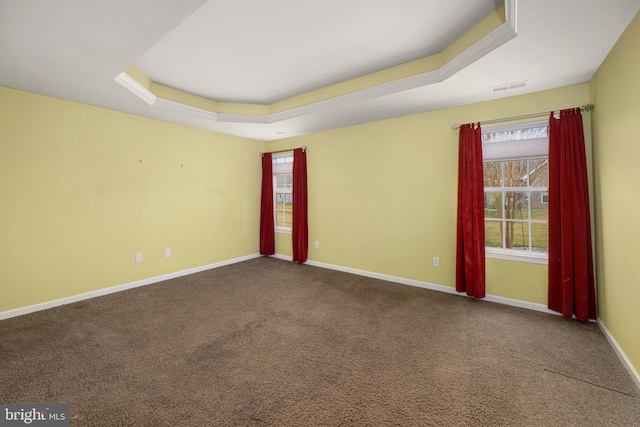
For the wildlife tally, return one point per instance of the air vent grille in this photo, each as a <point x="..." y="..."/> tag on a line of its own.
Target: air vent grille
<point x="509" y="86"/>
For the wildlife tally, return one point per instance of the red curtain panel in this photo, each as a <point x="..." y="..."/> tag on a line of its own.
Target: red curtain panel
<point x="267" y="232"/>
<point x="300" y="231"/>
<point x="470" y="257"/>
<point x="571" y="283"/>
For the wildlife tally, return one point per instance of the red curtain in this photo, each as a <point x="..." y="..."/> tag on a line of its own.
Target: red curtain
<point x="267" y="232"/>
<point x="571" y="283"/>
<point x="300" y="232"/>
<point x="470" y="259"/>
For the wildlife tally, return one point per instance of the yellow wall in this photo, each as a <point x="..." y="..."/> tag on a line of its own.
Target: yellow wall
<point x="382" y="196"/>
<point x="283" y="244"/>
<point x="616" y="94"/>
<point x="80" y="203"/>
<point x="77" y="203"/>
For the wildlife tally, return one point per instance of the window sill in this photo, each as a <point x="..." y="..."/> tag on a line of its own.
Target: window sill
<point x="517" y="255"/>
<point x="283" y="230"/>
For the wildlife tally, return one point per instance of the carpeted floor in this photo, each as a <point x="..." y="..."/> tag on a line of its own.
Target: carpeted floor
<point x="269" y="342"/>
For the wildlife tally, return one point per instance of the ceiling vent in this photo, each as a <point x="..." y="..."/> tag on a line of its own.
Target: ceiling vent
<point x="509" y="86"/>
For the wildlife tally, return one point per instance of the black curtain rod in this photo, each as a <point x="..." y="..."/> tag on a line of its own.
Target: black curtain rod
<point x="283" y="151"/>
<point x="587" y="107"/>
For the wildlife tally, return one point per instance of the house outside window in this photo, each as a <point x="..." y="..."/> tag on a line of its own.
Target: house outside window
<point x="516" y="177"/>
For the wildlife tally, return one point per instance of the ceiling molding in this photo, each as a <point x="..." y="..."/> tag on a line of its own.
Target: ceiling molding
<point x="186" y="109"/>
<point x="245" y="118"/>
<point x="501" y="35"/>
<point x="133" y="86"/>
<point x="484" y="46"/>
<point x="511" y="14"/>
<point x="383" y="89"/>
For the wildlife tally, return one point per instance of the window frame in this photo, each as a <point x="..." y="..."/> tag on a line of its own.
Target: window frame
<point x="520" y="255"/>
<point x="282" y="166"/>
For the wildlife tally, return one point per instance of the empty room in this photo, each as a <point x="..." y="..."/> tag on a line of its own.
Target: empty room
<point x="297" y="213"/>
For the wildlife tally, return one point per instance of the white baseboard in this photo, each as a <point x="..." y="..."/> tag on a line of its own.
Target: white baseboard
<point x="623" y="357"/>
<point x="426" y="285"/>
<point x="118" y="288"/>
<point x="386" y="277"/>
<point x="522" y="304"/>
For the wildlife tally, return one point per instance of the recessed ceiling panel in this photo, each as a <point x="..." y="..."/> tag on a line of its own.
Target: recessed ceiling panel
<point x="73" y="51"/>
<point x="257" y="51"/>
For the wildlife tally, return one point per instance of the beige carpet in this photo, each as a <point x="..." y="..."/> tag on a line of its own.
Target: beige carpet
<point x="269" y="342"/>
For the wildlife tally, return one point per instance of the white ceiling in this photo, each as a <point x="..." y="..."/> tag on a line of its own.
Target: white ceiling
<point x="259" y="52"/>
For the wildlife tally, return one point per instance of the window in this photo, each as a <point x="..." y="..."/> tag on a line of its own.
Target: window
<point x="282" y="192"/>
<point x="516" y="176"/>
<point x="544" y="198"/>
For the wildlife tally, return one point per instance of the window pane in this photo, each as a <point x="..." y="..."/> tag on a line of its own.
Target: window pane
<point x="284" y="183"/>
<point x="493" y="205"/>
<point x="515" y="135"/>
<point x="517" y="235"/>
<point x="516" y="206"/>
<point x="539" y="207"/>
<point x="539" y="173"/>
<point x="493" y="234"/>
<point x="516" y="173"/>
<point x="284" y="214"/>
<point x="540" y="237"/>
<point x="283" y="159"/>
<point x="493" y="174"/>
<point x="518" y="232"/>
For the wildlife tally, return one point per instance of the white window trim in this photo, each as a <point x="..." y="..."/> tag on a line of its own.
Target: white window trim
<point x="516" y="254"/>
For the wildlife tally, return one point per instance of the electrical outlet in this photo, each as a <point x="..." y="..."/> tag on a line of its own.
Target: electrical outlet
<point x="316" y="244"/>
<point x="436" y="261"/>
<point x="139" y="257"/>
<point x="167" y="253"/>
